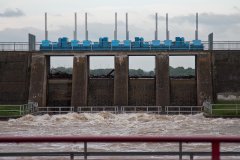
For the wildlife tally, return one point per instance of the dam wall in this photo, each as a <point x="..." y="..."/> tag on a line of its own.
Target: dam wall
<point x="24" y="76"/>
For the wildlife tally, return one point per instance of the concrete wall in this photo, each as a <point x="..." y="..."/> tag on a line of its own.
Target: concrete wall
<point x="23" y="77"/>
<point x="100" y="92"/>
<point x="59" y="92"/>
<point x="183" y="92"/>
<point x="38" y="79"/>
<point x="141" y="92"/>
<point x="204" y="78"/>
<point x="14" y="77"/>
<point x="226" y="75"/>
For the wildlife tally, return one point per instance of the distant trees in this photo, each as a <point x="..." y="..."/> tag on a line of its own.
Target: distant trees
<point x="174" y="72"/>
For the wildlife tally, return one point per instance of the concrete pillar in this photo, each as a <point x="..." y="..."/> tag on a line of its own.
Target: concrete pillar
<point x="31" y="42"/>
<point x="210" y="42"/>
<point x="204" y="78"/>
<point x="38" y="79"/>
<point x="121" y="80"/>
<point x="80" y="81"/>
<point x="162" y="81"/>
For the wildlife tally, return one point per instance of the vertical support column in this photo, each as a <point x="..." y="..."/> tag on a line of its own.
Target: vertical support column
<point x="210" y="42"/>
<point x="86" y="27"/>
<point x="46" y="31"/>
<point x="121" y="80"/>
<point x="80" y="81"/>
<point x="196" y="31"/>
<point x="162" y="81"/>
<point x="38" y="79"/>
<point x="167" y="31"/>
<point x="215" y="151"/>
<point x="156" y="25"/>
<point x="127" y="32"/>
<point x="204" y="78"/>
<point x="75" y="26"/>
<point x="31" y="42"/>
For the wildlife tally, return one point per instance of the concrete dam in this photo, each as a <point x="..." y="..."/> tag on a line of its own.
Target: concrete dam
<point x="25" y="77"/>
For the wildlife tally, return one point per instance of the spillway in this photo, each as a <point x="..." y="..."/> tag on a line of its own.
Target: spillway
<point x="104" y="123"/>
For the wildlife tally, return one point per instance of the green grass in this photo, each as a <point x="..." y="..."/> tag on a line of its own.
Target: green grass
<point x="9" y="110"/>
<point x="226" y="110"/>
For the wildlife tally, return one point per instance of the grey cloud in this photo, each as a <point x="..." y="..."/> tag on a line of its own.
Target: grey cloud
<point x="236" y="8"/>
<point x="210" y="19"/>
<point x="12" y="13"/>
<point x="160" y="17"/>
<point x="204" y="18"/>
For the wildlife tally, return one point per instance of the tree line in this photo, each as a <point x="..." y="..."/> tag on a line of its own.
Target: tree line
<point x="174" y="72"/>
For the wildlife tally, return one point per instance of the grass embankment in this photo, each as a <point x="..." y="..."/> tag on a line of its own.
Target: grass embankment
<point x="9" y="111"/>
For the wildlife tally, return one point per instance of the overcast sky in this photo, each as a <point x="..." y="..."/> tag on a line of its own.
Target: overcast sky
<point x="19" y="17"/>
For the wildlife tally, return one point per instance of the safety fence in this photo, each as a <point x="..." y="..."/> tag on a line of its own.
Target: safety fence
<point x="97" y="109"/>
<point x="54" y="110"/>
<point x="169" y="110"/>
<point x="221" y="109"/>
<point x="18" y="110"/>
<point x="183" y="109"/>
<point x="141" y="109"/>
<point x="215" y="142"/>
<point x="32" y="108"/>
<point x="217" y="45"/>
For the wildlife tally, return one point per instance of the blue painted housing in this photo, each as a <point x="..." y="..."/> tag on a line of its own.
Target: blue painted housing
<point x="137" y="45"/>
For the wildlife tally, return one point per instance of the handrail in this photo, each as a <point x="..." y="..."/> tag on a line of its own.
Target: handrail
<point x="214" y="140"/>
<point x="19" y="110"/>
<point x="184" y="109"/>
<point x="141" y="109"/>
<point x="24" y="46"/>
<point x="96" y="109"/>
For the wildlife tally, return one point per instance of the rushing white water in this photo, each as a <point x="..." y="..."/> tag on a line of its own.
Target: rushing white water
<point x="105" y="123"/>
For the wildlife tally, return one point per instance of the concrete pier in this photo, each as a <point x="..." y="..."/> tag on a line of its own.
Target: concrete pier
<point x="121" y="80"/>
<point x="204" y="78"/>
<point x="162" y="80"/>
<point x="80" y="81"/>
<point x="38" y="79"/>
<point x="24" y="76"/>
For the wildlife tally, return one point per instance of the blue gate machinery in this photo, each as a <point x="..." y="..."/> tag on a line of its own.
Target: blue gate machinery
<point x="137" y="45"/>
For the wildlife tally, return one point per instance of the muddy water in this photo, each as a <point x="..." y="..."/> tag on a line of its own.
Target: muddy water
<point x="123" y="125"/>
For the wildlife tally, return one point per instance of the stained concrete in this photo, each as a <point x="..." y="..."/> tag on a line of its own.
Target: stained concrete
<point x="162" y="80"/>
<point x="121" y="80"/>
<point x="80" y="81"/>
<point x="14" y="77"/>
<point x="204" y="78"/>
<point x="59" y="92"/>
<point x="101" y="92"/>
<point x="183" y="92"/>
<point x="141" y="92"/>
<point x="23" y="77"/>
<point x="226" y="73"/>
<point x="38" y="79"/>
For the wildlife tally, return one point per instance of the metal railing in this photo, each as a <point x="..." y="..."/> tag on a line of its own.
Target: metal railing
<point x="18" y="110"/>
<point x="183" y="109"/>
<point x="214" y="141"/>
<point x="217" y="45"/>
<point x="96" y="109"/>
<point x="221" y="109"/>
<point x="17" y="46"/>
<point x="141" y="109"/>
<point x="55" y="110"/>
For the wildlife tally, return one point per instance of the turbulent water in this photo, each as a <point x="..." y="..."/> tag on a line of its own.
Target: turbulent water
<point x="105" y="123"/>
